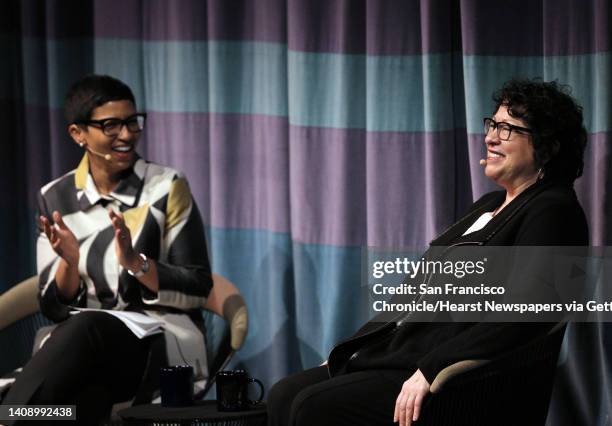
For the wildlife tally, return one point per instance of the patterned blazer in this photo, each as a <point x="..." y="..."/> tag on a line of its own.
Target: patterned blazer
<point x="165" y="225"/>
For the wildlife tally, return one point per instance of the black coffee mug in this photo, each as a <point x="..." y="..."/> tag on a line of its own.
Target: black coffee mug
<point x="232" y="390"/>
<point x="176" y="385"/>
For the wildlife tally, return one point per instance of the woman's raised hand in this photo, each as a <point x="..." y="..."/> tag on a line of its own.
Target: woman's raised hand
<point x="126" y="255"/>
<point x="62" y="240"/>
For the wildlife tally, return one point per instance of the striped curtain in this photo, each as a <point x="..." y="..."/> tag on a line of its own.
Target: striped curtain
<point x="308" y="129"/>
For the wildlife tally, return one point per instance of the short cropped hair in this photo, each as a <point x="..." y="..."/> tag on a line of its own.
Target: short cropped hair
<point x="91" y="92"/>
<point x="555" y="118"/>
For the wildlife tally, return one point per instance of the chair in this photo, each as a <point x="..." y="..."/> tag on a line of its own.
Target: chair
<point x="513" y="389"/>
<point x="20" y="318"/>
<point x="226" y="319"/>
<point x="224" y="312"/>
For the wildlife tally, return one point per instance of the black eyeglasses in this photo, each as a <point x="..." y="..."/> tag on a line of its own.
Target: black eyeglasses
<point x="504" y="130"/>
<point x="112" y="126"/>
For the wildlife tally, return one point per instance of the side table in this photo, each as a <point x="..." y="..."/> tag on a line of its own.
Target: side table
<point x="202" y="413"/>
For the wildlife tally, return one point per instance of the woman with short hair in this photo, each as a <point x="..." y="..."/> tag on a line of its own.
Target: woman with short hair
<point x="117" y="233"/>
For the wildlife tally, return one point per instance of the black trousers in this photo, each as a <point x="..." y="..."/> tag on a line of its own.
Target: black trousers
<point x="359" y="398"/>
<point x="92" y="360"/>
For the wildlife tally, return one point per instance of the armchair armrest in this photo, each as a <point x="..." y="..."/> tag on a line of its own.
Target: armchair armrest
<point x="485" y="392"/>
<point x="464" y="366"/>
<point x="454" y="370"/>
<point x="225" y="300"/>
<point x="19" y="301"/>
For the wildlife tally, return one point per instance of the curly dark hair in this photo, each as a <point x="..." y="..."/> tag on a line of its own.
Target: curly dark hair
<point x="559" y="136"/>
<point x="91" y="92"/>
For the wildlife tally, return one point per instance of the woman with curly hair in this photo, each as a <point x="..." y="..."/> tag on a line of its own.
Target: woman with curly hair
<point x="535" y="142"/>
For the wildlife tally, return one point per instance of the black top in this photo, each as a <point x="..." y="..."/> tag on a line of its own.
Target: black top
<point x="545" y="214"/>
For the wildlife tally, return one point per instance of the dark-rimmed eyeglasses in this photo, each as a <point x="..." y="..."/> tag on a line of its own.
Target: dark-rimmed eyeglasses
<point x="504" y="130"/>
<point x="112" y="126"/>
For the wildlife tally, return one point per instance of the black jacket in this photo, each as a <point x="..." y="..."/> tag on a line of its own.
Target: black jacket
<point x="545" y="214"/>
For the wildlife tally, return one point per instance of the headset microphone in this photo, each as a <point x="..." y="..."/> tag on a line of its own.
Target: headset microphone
<point x="107" y="157"/>
<point x="483" y="162"/>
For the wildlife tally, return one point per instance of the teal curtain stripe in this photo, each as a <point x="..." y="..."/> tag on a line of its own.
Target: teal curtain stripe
<point x="304" y="287"/>
<point x="409" y="93"/>
<point x="327" y="90"/>
<point x="259" y="263"/>
<point x="328" y="292"/>
<point x="248" y="78"/>
<point x="485" y="74"/>
<point x="125" y="60"/>
<point x="225" y="77"/>
<point x="69" y="62"/>
<point x="588" y="75"/>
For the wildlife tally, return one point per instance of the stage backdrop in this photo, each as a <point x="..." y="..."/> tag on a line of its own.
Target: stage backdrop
<point x="308" y="131"/>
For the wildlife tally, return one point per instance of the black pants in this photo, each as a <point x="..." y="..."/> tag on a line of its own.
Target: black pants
<point x="311" y="398"/>
<point x="92" y="360"/>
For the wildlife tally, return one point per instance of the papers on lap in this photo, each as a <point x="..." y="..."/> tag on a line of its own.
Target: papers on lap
<point x="4" y="382"/>
<point x="141" y="325"/>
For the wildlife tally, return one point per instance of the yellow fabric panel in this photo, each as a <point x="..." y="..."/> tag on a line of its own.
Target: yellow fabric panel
<point x="80" y="176"/>
<point x="179" y="200"/>
<point x="134" y="218"/>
